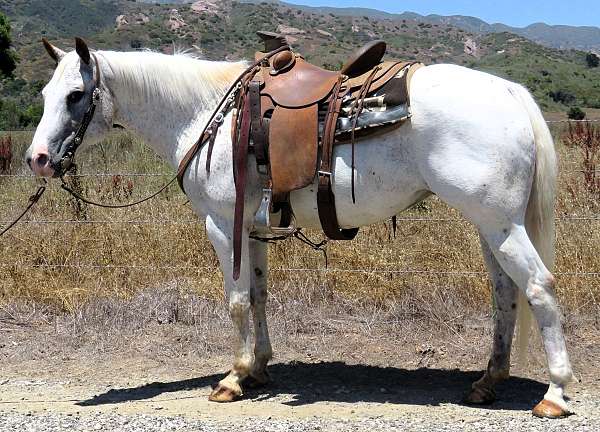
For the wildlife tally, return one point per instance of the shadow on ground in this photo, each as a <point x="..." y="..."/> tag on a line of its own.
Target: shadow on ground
<point x="308" y="383"/>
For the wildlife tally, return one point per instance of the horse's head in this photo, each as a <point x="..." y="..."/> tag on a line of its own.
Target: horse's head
<point x="67" y="97"/>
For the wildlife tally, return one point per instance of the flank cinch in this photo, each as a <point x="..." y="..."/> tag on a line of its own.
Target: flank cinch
<point x="290" y="114"/>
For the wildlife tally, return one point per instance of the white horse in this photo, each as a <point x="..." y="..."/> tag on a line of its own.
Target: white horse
<point x="478" y="142"/>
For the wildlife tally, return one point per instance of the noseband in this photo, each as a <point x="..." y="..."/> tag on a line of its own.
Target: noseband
<point x="67" y="161"/>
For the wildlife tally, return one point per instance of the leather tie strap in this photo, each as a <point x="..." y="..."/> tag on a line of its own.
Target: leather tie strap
<point x="240" y="169"/>
<point x="364" y="91"/>
<point x="325" y="196"/>
<point x="259" y="136"/>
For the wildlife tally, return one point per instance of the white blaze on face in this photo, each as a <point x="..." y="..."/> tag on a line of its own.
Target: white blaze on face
<point x="57" y="123"/>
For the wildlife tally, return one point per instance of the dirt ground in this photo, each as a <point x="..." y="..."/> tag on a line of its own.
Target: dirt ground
<point x="332" y="366"/>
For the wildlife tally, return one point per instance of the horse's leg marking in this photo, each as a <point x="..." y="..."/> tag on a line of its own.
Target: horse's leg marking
<point x="505" y="298"/>
<point x="262" y="345"/>
<point x="238" y="295"/>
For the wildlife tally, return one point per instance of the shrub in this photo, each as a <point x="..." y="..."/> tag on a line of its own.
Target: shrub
<point x="562" y="96"/>
<point x="576" y="113"/>
<point x="592" y="60"/>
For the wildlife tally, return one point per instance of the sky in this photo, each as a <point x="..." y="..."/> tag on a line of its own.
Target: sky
<point x="518" y="13"/>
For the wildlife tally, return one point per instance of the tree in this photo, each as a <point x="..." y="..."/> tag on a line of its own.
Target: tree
<point x="8" y="58"/>
<point x="592" y="60"/>
<point x="576" y="113"/>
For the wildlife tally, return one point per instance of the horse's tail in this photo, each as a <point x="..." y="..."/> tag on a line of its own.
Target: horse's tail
<point x="539" y="217"/>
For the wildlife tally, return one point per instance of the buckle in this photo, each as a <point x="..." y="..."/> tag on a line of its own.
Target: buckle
<point x="96" y="96"/>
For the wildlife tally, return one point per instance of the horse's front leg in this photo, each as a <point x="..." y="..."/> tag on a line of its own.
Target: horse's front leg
<point x="262" y="345"/>
<point x="220" y="233"/>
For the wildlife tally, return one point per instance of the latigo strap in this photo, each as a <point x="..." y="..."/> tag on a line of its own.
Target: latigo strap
<point x="325" y="196"/>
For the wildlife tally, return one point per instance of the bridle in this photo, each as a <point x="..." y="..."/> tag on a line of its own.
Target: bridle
<point x="67" y="161"/>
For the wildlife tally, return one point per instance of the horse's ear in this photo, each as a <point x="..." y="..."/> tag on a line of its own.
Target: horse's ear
<point x="55" y="53"/>
<point x="83" y="50"/>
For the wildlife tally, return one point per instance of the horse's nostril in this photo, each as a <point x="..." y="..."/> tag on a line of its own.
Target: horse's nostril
<point x="28" y="160"/>
<point x="41" y="159"/>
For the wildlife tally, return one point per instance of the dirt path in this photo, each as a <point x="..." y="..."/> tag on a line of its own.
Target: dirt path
<point x="327" y="391"/>
<point x="341" y="379"/>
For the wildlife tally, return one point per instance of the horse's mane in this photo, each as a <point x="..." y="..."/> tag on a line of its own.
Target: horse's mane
<point x="180" y="78"/>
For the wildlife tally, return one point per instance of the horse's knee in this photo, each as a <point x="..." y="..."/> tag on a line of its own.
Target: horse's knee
<point x="238" y="310"/>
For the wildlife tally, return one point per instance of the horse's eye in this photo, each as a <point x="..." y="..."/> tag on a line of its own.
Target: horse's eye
<point x="75" y="97"/>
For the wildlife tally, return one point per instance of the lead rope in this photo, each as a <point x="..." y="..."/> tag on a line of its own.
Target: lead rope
<point x="113" y="206"/>
<point x="33" y="199"/>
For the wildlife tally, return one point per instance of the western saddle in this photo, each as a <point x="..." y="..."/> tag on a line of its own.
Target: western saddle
<point x="290" y="113"/>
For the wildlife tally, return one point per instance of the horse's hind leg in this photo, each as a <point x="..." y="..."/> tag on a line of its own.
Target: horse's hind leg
<point x="518" y="257"/>
<point x="505" y="312"/>
<point x="262" y="345"/>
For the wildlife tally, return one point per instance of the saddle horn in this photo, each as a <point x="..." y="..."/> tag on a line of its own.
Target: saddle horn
<point x="272" y="40"/>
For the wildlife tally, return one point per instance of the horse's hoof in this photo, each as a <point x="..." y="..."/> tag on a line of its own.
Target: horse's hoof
<point x="549" y="409"/>
<point x="224" y="394"/>
<point x="480" y="396"/>
<point x="257" y="380"/>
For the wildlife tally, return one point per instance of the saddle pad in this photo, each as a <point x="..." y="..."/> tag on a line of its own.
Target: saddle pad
<point x="302" y="85"/>
<point x="293" y="138"/>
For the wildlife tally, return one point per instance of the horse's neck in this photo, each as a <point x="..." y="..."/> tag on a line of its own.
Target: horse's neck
<point x="166" y="99"/>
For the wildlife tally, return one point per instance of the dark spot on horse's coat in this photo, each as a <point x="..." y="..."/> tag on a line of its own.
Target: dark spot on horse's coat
<point x="258" y="272"/>
<point x="514" y="305"/>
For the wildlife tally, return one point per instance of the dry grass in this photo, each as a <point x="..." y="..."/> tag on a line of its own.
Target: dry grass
<point x="178" y="254"/>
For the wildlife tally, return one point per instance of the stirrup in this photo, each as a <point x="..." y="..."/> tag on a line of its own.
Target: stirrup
<point x="262" y="219"/>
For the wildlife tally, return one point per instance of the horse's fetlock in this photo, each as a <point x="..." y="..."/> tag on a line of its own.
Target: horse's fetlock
<point x="242" y="366"/>
<point x="562" y="375"/>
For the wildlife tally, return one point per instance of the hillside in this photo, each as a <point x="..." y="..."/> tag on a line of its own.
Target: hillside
<point x="60" y="17"/>
<point x="554" y="36"/>
<point x="226" y="30"/>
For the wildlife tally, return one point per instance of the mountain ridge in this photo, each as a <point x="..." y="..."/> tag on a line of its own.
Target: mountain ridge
<point x="586" y="38"/>
<point x="226" y="30"/>
<point x="561" y="36"/>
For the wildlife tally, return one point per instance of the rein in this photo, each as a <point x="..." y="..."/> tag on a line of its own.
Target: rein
<point x="65" y="187"/>
<point x="33" y="199"/>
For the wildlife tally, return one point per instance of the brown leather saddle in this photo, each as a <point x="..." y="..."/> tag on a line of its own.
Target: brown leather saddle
<point x="295" y="107"/>
<point x="290" y="113"/>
